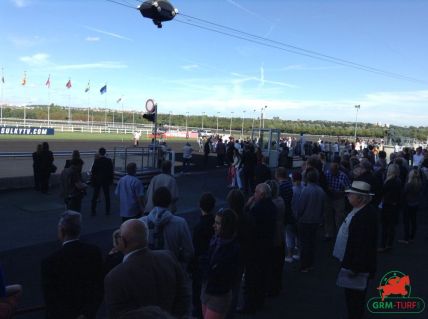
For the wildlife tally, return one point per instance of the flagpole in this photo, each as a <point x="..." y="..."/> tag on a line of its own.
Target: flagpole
<point x="48" y="84"/>
<point x="122" y="114"/>
<point x="69" y="108"/>
<point x="24" y="83"/>
<point x="89" y="103"/>
<point x="2" y="96"/>
<point x="105" y="114"/>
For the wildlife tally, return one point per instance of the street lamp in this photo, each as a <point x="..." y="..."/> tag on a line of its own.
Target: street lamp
<point x="242" y="128"/>
<point x="230" y="128"/>
<point x="254" y="118"/>
<point x="203" y="114"/>
<point x="187" y="133"/>
<point x="122" y="111"/>
<point x="263" y="116"/>
<point x="357" y="107"/>
<point x="217" y="121"/>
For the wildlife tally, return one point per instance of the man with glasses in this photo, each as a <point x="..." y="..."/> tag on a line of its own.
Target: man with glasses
<point x="356" y="247"/>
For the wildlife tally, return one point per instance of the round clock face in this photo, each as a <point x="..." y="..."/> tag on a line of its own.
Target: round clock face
<point x="150" y="105"/>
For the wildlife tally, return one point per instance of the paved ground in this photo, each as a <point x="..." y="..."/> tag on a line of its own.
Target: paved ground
<point x="28" y="223"/>
<point x="18" y="166"/>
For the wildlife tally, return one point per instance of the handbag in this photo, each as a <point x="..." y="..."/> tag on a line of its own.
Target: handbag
<point x="348" y="279"/>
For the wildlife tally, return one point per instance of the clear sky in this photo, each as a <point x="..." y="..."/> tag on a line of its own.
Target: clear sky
<point x="187" y="69"/>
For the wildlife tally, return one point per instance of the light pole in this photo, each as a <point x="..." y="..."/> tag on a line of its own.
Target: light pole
<point x="122" y="113"/>
<point x="230" y="128"/>
<point x="203" y="114"/>
<point x="133" y="120"/>
<point x="169" y="126"/>
<point x="357" y="107"/>
<point x="217" y="121"/>
<point x="254" y="118"/>
<point x="187" y="133"/>
<point x="242" y="128"/>
<point x="263" y="116"/>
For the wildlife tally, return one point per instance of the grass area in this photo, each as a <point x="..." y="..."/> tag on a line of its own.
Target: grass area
<point x="79" y="136"/>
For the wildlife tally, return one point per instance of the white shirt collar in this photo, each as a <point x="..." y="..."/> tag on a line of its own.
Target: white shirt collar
<point x="69" y="241"/>
<point x="131" y="253"/>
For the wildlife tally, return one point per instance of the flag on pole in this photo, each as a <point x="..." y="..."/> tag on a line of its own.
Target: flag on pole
<point x="103" y="89"/>
<point x="24" y="79"/>
<point x="68" y="85"/>
<point x="120" y="99"/>
<point x="48" y="82"/>
<point x="88" y="87"/>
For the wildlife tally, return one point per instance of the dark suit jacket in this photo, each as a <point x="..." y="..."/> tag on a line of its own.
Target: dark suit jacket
<point x="102" y="171"/>
<point x="72" y="280"/>
<point x="147" y="278"/>
<point x="361" y="248"/>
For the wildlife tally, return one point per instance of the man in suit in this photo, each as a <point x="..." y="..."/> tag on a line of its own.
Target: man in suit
<point x="145" y="277"/>
<point x="72" y="277"/>
<point x="102" y="177"/>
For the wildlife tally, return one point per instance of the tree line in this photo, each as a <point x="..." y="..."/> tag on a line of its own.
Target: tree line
<point x="332" y="128"/>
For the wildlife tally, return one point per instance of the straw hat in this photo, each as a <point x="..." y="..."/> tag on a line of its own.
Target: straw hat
<point x="359" y="187"/>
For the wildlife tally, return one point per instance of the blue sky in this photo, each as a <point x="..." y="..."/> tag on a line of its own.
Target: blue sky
<point x="186" y="69"/>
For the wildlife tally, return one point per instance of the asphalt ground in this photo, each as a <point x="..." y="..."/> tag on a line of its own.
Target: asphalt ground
<point x="28" y="234"/>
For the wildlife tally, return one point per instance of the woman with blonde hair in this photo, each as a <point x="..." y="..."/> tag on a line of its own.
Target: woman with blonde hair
<point x="391" y="195"/>
<point x="411" y="197"/>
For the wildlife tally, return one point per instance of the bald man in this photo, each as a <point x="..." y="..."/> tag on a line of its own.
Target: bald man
<point x="145" y="277"/>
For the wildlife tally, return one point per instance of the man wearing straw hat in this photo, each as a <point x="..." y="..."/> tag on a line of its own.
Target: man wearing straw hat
<point x="356" y="247"/>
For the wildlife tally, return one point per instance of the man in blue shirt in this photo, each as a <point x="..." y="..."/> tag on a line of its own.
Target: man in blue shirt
<point x="131" y="194"/>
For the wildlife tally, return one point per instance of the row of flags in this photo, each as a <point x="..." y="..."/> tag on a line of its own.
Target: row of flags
<point x="68" y="85"/>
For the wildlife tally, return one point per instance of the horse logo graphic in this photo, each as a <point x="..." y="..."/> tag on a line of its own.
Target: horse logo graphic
<point x="395" y="296"/>
<point x="395" y="285"/>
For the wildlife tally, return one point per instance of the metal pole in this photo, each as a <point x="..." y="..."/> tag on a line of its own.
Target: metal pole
<point x="49" y="106"/>
<point x="217" y="122"/>
<point x="2" y="95"/>
<point x="122" y="114"/>
<point x="357" y="107"/>
<point x="203" y="114"/>
<point x="263" y="116"/>
<point x="187" y="114"/>
<point x="254" y="118"/>
<point x="155" y="150"/>
<point x="242" y="128"/>
<point x="230" y="128"/>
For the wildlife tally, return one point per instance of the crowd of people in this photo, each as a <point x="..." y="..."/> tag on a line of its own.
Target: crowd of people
<point x="272" y="218"/>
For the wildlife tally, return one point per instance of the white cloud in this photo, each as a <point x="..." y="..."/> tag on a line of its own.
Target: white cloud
<point x="261" y="80"/>
<point x="302" y="67"/>
<point x="92" y="39"/>
<point x="38" y="59"/>
<point x="96" y="65"/>
<point x="190" y="66"/>
<point x="20" y="3"/>
<point x="25" y="42"/>
<point x="237" y="5"/>
<point x="398" y="97"/>
<point x="111" y="34"/>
